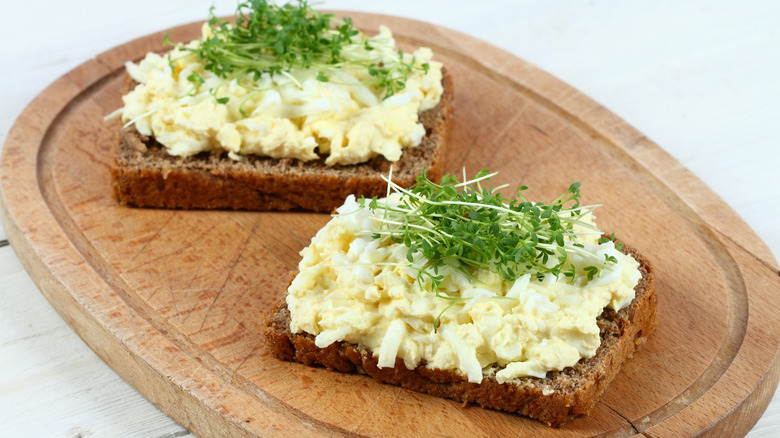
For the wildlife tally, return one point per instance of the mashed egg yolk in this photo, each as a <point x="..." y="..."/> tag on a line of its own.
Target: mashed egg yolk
<point x="287" y="115"/>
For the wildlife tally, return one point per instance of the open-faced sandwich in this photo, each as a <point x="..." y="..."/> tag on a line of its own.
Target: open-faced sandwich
<point x="285" y="107"/>
<point x="454" y="290"/>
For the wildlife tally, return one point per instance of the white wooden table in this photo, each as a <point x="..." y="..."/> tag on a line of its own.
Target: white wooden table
<point x="700" y="78"/>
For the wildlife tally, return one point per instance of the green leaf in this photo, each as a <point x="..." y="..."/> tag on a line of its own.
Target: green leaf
<point x="196" y="79"/>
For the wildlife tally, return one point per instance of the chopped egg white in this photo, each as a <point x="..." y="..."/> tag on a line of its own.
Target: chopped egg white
<point x="289" y="115"/>
<point x="352" y="288"/>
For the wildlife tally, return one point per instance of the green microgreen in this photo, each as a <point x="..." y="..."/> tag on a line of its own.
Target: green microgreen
<point x="618" y="245"/>
<point x="468" y="227"/>
<point x="266" y="38"/>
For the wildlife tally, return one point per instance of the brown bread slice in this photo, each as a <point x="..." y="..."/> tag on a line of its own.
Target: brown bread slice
<point x="554" y="400"/>
<point x="144" y="175"/>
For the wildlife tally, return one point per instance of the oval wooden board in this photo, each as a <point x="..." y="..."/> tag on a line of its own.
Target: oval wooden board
<point x="174" y="300"/>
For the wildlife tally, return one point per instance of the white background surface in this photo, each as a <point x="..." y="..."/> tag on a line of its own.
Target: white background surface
<point x="700" y="78"/>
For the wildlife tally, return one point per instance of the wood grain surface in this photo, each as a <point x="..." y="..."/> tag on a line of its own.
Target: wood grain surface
<point x="174" y="300"/>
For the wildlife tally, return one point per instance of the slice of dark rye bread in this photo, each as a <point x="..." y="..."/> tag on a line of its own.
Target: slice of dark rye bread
<point x="554" y="400"/>
<point x="145" y="175"/>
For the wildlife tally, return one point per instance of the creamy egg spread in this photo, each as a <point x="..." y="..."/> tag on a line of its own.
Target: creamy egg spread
<point x="286" y="115"/>
<point x="351" y="287"/>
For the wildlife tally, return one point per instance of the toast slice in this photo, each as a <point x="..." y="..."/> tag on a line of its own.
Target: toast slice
<point x="145" y="175"/>
<point x="554" y="400"/>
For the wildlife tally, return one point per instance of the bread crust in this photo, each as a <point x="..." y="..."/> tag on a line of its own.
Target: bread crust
<point x="144" y="175"/>
<point x="554" y="400"/>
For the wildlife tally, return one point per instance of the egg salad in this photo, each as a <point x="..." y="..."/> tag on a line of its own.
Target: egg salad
<point x="296" y="113"/>
<point x="356" y="287"/>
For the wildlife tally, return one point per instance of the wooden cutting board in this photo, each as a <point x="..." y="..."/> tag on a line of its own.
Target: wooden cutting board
<point x="174" y="300"/>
